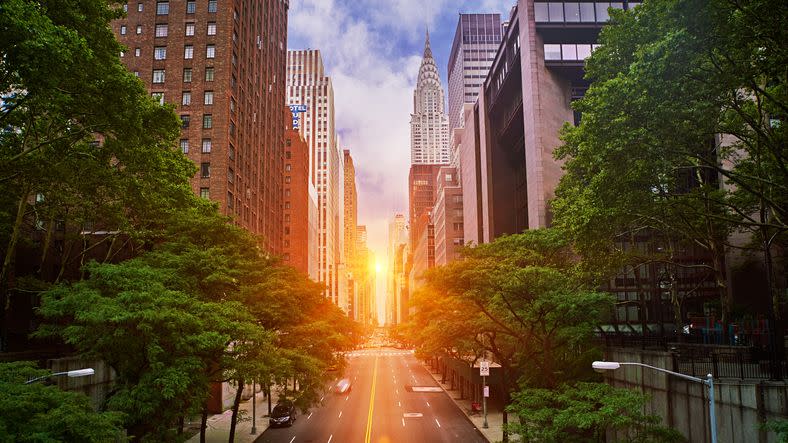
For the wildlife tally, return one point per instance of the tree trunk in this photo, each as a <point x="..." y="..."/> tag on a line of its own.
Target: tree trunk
<point x="268" y="394"/>
<point x="236" y="404"/>
<point x="10" y="252"/>
<point x="203" y="422"/>
<point x="45" y="248"/>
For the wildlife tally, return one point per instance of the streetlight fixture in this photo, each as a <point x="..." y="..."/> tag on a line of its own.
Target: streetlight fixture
<point x="72" y="374"/>
<point x="601" y="366"/>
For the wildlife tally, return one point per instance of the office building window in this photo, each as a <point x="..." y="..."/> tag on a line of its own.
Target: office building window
<point x="187" y="75"/>
<point x="208" y="97"/>
<point x="205" y="170"/>
<point x="160" y="53"/>
<point x="206" y="146"/>
<point x="230" y="175"/>
<point x="210" y="51"/>
<point x="123" y="30"/>
<point x="231" y="152"/>
<point x="191" y="7"/>
<point x="212" y="6"/>
<point x="139" y="7"/>
<point x="162" y="8"/>
<point x="207" y="121"/>
<point x="186" y="99"/>
<point x="126" y="8"/>
<point x="188" y="52"/>
<point x="185" y="119"/>
<point x="139" y="29"/>
<point x="205" y="193"/>
<point x="185" y="145"/>
<point x="122" y="54"/>
<point x="158" y="76"/>
<point x="189" y="29"/>
<point x="211" y="28"/>
<point x="209" y="74"/>
<point x="137" y="74"/>
<point x="161" y="30"/>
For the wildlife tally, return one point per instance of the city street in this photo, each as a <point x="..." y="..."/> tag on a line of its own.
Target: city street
<point x="382" y="406"/>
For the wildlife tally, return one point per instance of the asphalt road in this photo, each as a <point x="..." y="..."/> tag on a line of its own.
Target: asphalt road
<point x="382" y="407"/>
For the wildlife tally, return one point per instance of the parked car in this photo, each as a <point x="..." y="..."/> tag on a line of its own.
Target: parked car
<point x="342" y="386"/>
<point x="283" y="414"/>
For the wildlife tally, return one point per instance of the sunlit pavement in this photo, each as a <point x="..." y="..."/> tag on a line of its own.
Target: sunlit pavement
<point x="382" y="407"/>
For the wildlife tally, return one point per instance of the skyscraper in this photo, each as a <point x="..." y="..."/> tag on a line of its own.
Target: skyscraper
<point x="350" y="205"/>
<point x="472" y="52"/>
<point x="429" y="127"/>
<point x="212" y="60"/>
<point x="310" y="95"/>
<point x="398" y="238"/>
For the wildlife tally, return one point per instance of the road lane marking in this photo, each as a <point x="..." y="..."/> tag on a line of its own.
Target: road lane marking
<point x="403" y="425"/>
<point x="340" y="414"/>
<point x="399" y="403"/>
<point x="368" y="434"/>
<point x="397" y="391"/>
<point x="330" y="437"/>
<point x="436" y="421"/>
<point x="292" y="439"/>
<point x="321" y="398"/>
<point x="308" y="417"/>
<point x="428" y="404"/>
<point x="412" y="415"/>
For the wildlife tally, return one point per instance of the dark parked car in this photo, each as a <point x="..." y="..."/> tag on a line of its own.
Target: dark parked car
<point x="283" y="414"/>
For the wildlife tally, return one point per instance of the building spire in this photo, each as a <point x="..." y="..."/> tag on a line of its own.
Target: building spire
<point x="427" y="49"/>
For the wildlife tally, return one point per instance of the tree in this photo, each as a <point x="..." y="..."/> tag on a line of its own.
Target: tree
<point x="682" y="134"/>
<point x="84" y="147"/>
<point x="523" y="300"/>
<point x="586" y="412"/>
<point x="159" y="341"/>
<point x="41" y="413"/>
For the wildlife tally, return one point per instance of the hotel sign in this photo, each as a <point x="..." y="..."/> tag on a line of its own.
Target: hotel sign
<point x="295" y="110"/>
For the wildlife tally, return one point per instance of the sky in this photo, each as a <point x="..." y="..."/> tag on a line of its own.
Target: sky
<point x="372" y="50"/>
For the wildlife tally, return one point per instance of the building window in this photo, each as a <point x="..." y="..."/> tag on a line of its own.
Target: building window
<point x="287" y="205"/>
<point x="205" y="170"/>
<point x="162" y="8"/>
<point x="212" y="6"/>
<point x="191" y="7"/>
<point x="125" y="8"/>
<point x="288" y="167"/>
<point x="209" y="74"/>
<point x="186" y="99"/>
<point x="122" y="54"/>
<point x="207" y="121"/>
<point x="185" y="119"/>
<point x="158" y="76"/>
<point x="208" y="97"/>
<point x="137" y="74"/>
<point x="189" y="29"/>
<point x="211" y="28"/>
<point x="185" y="145"/>
<point x="137" y="52"/>
<point x="123" y="30"/>
<point x="187" y="75"/>
<point x="158" y="96"/>
<point x="206" y="146"/>
<point x="210" y="51"/>
<point x="287" y="179"/>
<point x="231" y="152"/>
<point x="161" y="30"/>
<point x="139" y="29"/>
<point x="205" y="193"/>
<point x="160" y="53"/>
<point x="188" y="52"/>
<point x="139" y="7"/>
<point x="230" y="175"/>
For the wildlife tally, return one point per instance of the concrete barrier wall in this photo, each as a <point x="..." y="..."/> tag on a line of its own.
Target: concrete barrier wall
<point x="96" y="386"/>
<point x="741" y="405"/>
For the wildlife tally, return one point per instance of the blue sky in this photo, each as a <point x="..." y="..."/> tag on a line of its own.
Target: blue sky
<point x="372" y="50"/>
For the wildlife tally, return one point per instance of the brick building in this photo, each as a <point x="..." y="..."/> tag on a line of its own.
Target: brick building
<point x="300" y="205"/>
<point x="222" y="65"/>
<point x="447" y="216"/>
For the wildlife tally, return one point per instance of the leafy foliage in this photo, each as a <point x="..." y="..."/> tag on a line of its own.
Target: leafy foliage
<point x="41" y="413"/>
<point x="586" y="412"/>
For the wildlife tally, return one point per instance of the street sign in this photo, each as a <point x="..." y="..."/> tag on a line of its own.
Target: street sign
<point x="486" y="391"/>
<point x="484" y="368"/>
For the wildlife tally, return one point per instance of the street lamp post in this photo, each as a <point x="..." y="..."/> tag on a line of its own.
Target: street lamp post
<point x="600" y="366"/>
<point x="75" y="373"/>
<point x="254" y="407"/>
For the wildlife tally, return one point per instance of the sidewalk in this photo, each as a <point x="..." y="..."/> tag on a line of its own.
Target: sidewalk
<point x="494" y="433"/>
<point x="218" y="429"/>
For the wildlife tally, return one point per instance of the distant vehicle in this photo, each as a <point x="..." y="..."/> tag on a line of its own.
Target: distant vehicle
<point x="284" y="414"/>
<point x="342" y="386"/>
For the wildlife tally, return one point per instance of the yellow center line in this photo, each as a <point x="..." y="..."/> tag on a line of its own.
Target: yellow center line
<point x="368" y="435"/>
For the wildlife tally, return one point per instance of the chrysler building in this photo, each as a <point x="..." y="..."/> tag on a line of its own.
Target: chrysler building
<point x="429" y="126"/>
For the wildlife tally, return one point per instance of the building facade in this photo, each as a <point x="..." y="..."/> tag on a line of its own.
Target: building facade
<point x="211" y="60"/>
<point x="350" y="206"/>
<point x="398" y="236"/>
<point x="300" y="206"/>
<point x="476" y="41"/>
<point x="447" y="216"/>
<point x="310" y="95"/>
<point x="429" y="127"/>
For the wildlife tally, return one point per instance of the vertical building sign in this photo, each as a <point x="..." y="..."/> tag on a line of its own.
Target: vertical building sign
<point x="295" y="110"/>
